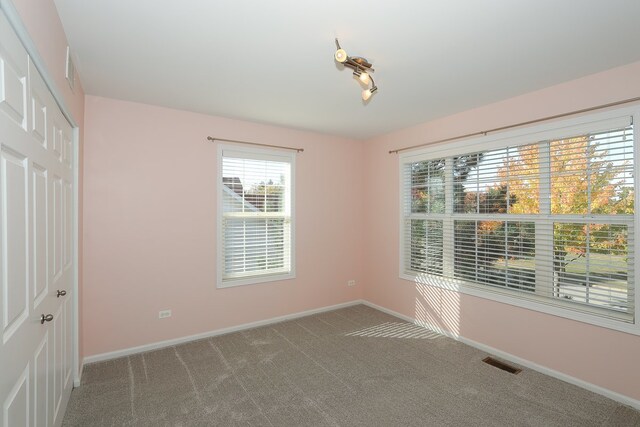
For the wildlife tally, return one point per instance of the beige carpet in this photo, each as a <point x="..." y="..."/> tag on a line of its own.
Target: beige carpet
<point x="350" y="367"/>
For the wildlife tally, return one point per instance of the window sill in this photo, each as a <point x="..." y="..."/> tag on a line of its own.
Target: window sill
<point x="504" y="296"/>
<point x="254" y="280"/>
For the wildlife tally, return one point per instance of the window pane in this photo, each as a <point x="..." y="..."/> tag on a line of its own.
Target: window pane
<point x="591" y="264"/>
<point x="593" y="174"/>
<point x="427" y="186"/>
<point x="498" y="181"/>
<point x="254" y="185"/>
<point x="254" y="245"/>
<point x="465" y="185"/>
<point x="521" y="176"/>
<point x="496" y="253"/>
<point x="425" y="250"/>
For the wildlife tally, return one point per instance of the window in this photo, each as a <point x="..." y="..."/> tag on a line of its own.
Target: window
<point x="255" y="220"/>
<point x="542" y="220"/>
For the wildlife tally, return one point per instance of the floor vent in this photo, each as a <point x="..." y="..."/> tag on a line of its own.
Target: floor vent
<point x="501" y="365"/>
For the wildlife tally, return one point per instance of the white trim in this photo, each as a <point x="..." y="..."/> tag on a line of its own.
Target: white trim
<point x="78" y="380"/>
<point x="243" y="279"/>
<point x="256" y="153"/>
<point x="254" y="279"/>
<point x="77" y="367"/>
<point x="168" y="343"/>
<point x="626" y="400"/>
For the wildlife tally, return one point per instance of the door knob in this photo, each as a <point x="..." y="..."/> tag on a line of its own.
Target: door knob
<point x="47" y="318"/>
<point x="61" y="294"/>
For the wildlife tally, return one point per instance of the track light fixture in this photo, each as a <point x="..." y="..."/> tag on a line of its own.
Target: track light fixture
<point x="361" y="69"/>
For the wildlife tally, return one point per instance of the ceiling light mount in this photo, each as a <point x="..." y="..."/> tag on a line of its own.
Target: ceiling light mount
<point x="361" y="67"/>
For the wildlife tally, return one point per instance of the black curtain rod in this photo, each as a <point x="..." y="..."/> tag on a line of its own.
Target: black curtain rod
<point x="299" y="150"/>
<point x="530" y="122"/>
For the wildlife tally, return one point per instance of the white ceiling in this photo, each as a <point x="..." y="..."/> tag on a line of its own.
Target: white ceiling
<point x="272" y="61"/>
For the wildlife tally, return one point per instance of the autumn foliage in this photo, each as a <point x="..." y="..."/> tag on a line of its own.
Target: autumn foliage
<point x="584" y="180"/>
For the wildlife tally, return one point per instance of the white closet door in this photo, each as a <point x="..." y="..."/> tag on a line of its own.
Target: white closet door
<point x="36" y="241"/>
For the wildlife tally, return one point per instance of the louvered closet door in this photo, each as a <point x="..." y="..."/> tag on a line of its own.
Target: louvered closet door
<point x="36" y="241"/>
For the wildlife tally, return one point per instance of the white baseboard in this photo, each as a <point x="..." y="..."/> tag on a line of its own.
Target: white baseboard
<point x="626" y="400"/>
<point x="168" y="343"/>
<point x="78" y="380"/>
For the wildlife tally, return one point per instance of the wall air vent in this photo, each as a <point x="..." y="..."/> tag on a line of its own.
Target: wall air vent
<point x="70" y="71"/>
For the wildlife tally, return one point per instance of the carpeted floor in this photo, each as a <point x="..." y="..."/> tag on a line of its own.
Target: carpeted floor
<point x="351" y="367"/>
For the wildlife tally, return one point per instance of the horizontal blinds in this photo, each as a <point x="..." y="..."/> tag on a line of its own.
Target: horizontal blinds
<point x="254" y="185"/>
<point x="256" y="218"/>
<point x="551" y="221"/>
<point x="495" y="253"/>
<point x="423" y="246"/>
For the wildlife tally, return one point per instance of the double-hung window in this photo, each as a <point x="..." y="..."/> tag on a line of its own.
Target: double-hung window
<point x="255" y="215"/>
<point x="543" y="219"/>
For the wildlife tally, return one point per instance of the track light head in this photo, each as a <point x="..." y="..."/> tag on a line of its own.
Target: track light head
<point x="366" y="94"/>
<point x="363" y="76"/>
<point x="341" y="55"/>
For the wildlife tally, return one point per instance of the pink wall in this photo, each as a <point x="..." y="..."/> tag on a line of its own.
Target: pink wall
<point x="150" y="225"/>
<point x="45" y="29"/>
<point x="599" y="356"/>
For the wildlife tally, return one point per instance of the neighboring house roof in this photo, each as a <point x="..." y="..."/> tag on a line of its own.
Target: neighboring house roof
<point x="233" y="183"/>
<point x="233" y="188"/>
<point x="255" y="202"/>
<point x="247" y="206"/>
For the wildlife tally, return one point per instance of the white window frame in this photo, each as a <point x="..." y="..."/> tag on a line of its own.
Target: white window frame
<point x="253" y="153"/>
<point x="530" y="134"/>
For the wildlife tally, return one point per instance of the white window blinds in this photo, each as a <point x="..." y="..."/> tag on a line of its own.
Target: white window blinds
<point x="550" y="221"/>
<point x="256" y="219"/>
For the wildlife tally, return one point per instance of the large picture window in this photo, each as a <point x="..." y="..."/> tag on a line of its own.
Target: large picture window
<point x="549" y="221"/>
<point x="255" y="220"/>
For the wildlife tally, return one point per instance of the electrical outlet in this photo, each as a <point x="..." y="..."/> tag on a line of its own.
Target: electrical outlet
<point x="164" y="313"/>
<point x="351" y="283"/>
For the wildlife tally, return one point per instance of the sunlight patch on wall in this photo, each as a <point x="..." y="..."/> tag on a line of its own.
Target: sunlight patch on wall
<point x="437" y="308"/>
